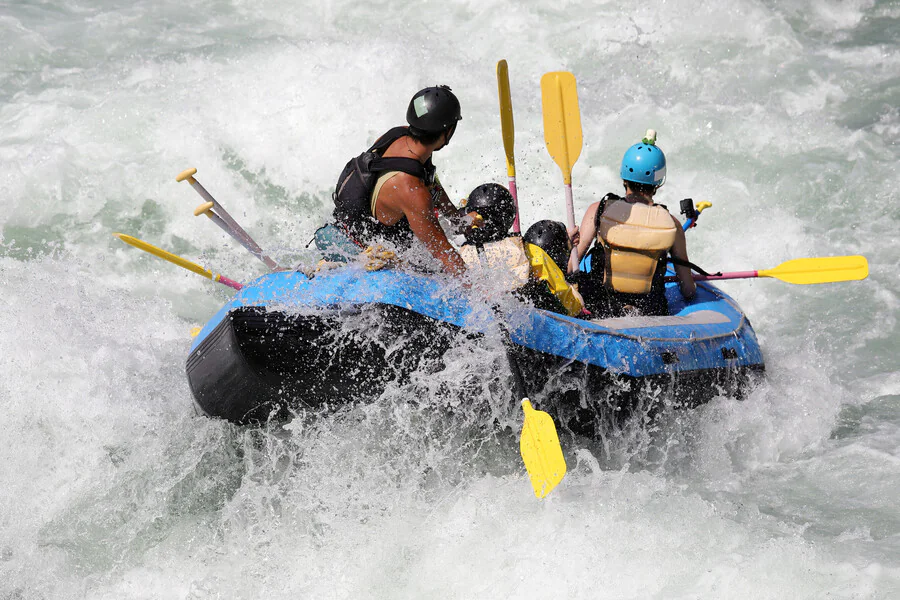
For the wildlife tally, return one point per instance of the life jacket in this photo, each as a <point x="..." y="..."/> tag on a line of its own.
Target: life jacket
<point x="504" y="261"/>
<point x="636" y="238"/>
<point x="353" y="202"/>
<point x="544" y="269"/>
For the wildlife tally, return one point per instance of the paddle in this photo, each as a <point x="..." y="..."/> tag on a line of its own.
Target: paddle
<point x="804" y="271"/>
<point x="538" y="442"/>
<point x="212" y="209"/>
<point x="541" y="451"/>
<point x="562" y="133"/>
<point x="509" y="134"/>
<point x="181" y="262"/>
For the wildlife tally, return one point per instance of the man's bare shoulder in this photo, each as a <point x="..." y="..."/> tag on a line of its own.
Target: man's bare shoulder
<point x="404" y="182"/>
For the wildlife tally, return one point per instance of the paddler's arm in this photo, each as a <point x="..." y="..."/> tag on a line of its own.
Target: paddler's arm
<point x="458" y="222"/>
<point x="679" y="250"/>
<point x="443" y="202"/>
<point x="409" y="197"/>
<point x="587" y="231"/>
<point x="429" y="231"/>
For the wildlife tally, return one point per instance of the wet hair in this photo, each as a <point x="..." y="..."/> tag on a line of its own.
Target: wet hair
<point x="429" y="138"/>
<point x="643" y="189"/>
<point x="423" y="136"/>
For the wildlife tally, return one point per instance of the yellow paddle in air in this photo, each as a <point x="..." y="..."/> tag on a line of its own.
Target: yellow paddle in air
<point x="506" y="116"/>
<point x="805" y="271"/>
<point x="562" y="133"/>
<point x="175" y="259"/>
<point x="820" y="270"/>
<point x="541" y="451"/>
<point x="562" y="120"/>
<point x="509" y="134"/>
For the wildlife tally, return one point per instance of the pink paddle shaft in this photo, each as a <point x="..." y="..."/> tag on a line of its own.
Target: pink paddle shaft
<point x="512" y="190"/>
<point x="229" y="282"/>
<point x="570" y="213"/>
<point x="733" y="275"/>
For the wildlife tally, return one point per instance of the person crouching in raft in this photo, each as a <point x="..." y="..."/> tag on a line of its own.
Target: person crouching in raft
<point x="548" y="245"/>
<point x="390" y="193"/>
<point x="632" y="237"/>
<point x="519" y="267"/>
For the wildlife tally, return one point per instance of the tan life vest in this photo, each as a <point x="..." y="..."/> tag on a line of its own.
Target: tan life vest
<point x="504" y="262"/>
<point x="635" y="236"/>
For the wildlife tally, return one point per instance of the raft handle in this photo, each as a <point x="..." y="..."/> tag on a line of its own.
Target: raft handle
<point x="729" y="353"/>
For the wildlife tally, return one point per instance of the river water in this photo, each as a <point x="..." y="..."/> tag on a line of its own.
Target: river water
<point x="783" y="114"/>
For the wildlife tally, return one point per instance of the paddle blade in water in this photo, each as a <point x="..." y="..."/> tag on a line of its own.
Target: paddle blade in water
<point x="562" y="120"/>
<point x="541" y="451"/>
<point x="506" y="116"/>
<point x="820" y="270"/>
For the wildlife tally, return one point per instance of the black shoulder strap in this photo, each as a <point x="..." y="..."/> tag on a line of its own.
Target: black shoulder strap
<point x="396" y="163"/>
<point x="686" y="263"/>
<point x="409" y="166"/>
<point x="388" y="138"/>
<point x="601" y="206"/>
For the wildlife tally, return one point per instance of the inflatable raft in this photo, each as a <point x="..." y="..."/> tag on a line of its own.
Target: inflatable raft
<point x="287" y="342"/>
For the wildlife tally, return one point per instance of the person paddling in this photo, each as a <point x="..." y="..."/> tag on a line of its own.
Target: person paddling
<point x="508" y="262"/>
<point x="632" y="237"/>
<point x="391" y="192"/>
<point x="548" y="245"/>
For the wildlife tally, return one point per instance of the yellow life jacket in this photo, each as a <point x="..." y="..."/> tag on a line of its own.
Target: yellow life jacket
<point x="635" y="236"/>
<point x="544" y="269"/>
<point x="504" y="262"/>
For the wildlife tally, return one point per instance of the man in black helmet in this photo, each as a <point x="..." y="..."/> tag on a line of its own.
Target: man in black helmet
<point x="489" y="249"/>
<point x="391" y="191"/>
<point x="508" y="263"/>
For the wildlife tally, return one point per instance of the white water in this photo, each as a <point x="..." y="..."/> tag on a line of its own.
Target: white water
<point x="783" y="114"/>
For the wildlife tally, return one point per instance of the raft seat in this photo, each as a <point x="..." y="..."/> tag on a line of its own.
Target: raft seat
<point x="700" y="317"/>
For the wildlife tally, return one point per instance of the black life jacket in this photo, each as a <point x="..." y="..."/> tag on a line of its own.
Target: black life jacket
<point x="602" y="301"/>
<point x="353" y="193"/>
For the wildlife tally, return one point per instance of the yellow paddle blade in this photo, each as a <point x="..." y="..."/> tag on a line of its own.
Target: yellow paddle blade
<point x="562" y="120"/>
<point x="506" y="116"/>
<point x="820" y="270"/>
<point x="172" y="258"/>
<point x="541" y="451"/>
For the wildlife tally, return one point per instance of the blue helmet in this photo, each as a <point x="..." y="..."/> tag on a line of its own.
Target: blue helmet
<point x="644" y="163"/>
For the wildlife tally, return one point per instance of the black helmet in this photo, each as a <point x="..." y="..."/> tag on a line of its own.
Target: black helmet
<point x="433" y="110"/>
<point x="496" y="206"/>
<point x="553" y="238"/>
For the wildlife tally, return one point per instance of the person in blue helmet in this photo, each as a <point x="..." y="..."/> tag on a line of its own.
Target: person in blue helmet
<point x="632" y="238"/>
